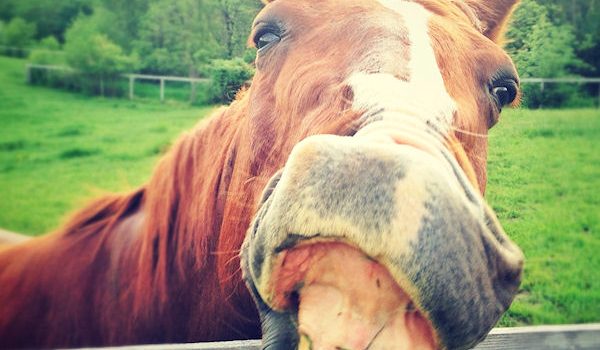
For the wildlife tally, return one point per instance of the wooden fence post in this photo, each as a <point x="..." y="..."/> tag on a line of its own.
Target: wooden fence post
<point x="28" y="73"/>
<point x="131" y="91"/>
<point x="192" y="92"/>
<point x="542" y="95"/>
<point x="162" y="90"/>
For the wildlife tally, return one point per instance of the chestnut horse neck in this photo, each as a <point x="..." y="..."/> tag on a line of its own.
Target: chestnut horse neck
<point x="197" y="208"/>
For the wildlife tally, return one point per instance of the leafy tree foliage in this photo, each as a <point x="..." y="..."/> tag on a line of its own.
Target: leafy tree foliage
<point x="47" y="52"/>
<point x="125" y="20"/>
<point x="90" y="50"/>
<point x="15" y="36"/>
<point x="228" y="76"/>
<point x="52" y="17"/>
<point x="541" y="48"/>
<point x="237" y="19"/>
<point x="176" y="37"/>
<point x="181" y="37"/>
<point x="584" y="17"/>
<point x="18" y="33"/>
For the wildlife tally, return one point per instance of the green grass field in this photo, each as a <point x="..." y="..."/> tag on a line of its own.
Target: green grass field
<point x="544" y="180"/>
<point x="58" y="150"/>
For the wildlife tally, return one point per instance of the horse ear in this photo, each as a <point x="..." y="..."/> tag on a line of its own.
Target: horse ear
<point x="493" y="16"/>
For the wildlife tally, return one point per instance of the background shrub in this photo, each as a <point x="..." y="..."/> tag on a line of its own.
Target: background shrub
<point x="544" y="49"/>
<point x="47" y="52"/>
<point x="227" y="77"/>
<point x="91" y="52"/>
<point x="16" y="36"/>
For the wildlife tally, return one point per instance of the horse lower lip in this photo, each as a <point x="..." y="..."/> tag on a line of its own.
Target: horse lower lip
<point x="347" y="300"/>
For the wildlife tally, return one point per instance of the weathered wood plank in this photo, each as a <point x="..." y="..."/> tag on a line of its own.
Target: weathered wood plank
<point x="167" y="78"/>
<point x="561" y="80"/>
<point x="226" y="345"/>
<point x="7" y="237"/>
<point x="585" y="336"/>
<point x="564" y="337"/>
<point x="129" y="76"/>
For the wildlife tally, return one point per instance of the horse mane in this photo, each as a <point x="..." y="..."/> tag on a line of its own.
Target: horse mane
<point x="185" y="208"/>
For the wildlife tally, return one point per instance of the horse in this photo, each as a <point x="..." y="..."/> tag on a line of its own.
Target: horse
<point x="336" y="203"/>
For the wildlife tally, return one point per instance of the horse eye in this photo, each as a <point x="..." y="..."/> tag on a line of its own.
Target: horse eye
<point x="504" y="92"/>
<point x="265" y="39"/>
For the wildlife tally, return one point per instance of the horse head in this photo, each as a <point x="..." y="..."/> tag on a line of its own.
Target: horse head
<point x="374" y="232"/>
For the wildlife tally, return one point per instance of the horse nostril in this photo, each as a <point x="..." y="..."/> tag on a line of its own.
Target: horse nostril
<point x="512" y="275"/>
<point x="270" y="187"/>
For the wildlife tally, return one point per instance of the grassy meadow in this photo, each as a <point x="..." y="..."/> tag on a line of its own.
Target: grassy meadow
<point x="58" y="150"/>
<point x="544" y="180"/>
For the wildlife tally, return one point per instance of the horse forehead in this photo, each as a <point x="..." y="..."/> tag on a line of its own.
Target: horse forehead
<point x="420" y="90"/>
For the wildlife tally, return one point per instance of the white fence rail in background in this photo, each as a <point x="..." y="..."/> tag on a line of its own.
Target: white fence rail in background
<point x="561" y="80"/>
<point x="132" y="78"/>
<point x="162" y="79"/>
<point x="564" y="337"/>
<point x="544" y="81"/>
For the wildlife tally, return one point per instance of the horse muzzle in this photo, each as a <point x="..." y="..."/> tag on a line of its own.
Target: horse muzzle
<point x="377" y="241"/>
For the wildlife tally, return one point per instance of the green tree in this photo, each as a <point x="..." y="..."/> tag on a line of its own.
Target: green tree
<point x="16" y="36"/>
<point x="176" y="37"/>
<point x="93" y="53"/>
<point x="49" y="43"/>
<point x="584" y="17"/>
<point x="6" y="10"/>
<point x="227" y="77"/>
<point x="543" y="49"/>
<point x="18" y="33"/>
<point x="52" y="17"/>
<point x="237" y="19"/>
<point x="125" y="20"/>
<point x="47" y="51"/>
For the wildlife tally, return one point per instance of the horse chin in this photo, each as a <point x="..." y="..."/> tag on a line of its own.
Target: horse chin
<point x="346" y="300"/>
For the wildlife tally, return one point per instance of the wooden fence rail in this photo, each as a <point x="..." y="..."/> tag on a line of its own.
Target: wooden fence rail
<point x="544" y="81"/>
<point x="561" y="80"/>
<point x="563" y="337"/>
<point x="162" y="79"/>
<point x="131" y="77"/>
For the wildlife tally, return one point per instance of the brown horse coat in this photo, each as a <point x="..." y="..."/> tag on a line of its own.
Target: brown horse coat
<point x="161" y="263"/>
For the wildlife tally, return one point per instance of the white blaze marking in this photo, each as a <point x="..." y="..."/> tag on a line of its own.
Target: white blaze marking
<point x="424" y="96"/>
